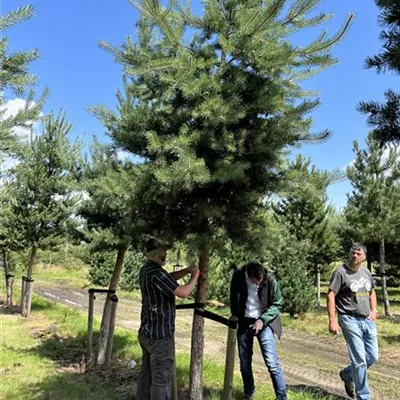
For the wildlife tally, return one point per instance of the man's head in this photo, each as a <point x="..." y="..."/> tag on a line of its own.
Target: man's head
<point x="357" y="255"/>
<point x="155" y="250"/>
<point x="255" y="272"/>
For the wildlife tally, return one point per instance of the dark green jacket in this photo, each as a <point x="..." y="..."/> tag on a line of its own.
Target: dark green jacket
<point x="270" y="299"/>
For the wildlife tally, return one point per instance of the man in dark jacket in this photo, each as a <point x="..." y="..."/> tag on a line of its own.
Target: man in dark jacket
<point x="256" y="301"/>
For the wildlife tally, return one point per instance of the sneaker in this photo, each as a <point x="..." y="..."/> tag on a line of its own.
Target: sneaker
<point x="349" y="386"/>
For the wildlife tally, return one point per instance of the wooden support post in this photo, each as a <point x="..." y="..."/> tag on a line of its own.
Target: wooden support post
<point x="23" y="283"/>
<point x="90" y="329"/>
<point x="230" y="358"/>
<point x="110" y="339"/>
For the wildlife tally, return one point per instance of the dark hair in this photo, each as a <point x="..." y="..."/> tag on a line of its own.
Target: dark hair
<point x="153" y="244"/>
<point x="255" y="270"/>
<point x="358" y="246"/>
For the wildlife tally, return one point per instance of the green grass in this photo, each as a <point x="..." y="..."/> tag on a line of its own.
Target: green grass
<point x="314" y="323"/>
<point x="41" y="358"/>
<point x="78" y="278"/>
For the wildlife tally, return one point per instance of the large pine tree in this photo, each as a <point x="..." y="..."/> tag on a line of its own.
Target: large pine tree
<point x="385" y="118"/>
<point x="373" y="205"/>
<point x="389" y="57"/>
<point x="213" y="103"/>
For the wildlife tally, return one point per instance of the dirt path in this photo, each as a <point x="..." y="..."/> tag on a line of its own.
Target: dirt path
<point x="306" y="360"/>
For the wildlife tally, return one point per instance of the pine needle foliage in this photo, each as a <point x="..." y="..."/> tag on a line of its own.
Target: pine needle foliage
<point x="211" y="104"/>
<point x="389" y="58"/>
<point x="16" y="79"/>
<point x="43" y="185"/>
<point x="374" y="202"/>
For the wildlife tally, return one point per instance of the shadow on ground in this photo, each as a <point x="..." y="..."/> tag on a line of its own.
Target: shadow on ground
<point x="9" y="310"/>
<point x="315" y="391"/>
<point x="395" y="339"/>
<point x="72" y="380"/>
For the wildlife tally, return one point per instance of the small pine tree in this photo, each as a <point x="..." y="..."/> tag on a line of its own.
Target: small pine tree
<point x="8" y="240"/>
<point x="375" y="200"/>
<point x="289" y="266"/>
<point x="111" y="221"/>
<point x="43" y="191"/>
<point x="307" y="215"/>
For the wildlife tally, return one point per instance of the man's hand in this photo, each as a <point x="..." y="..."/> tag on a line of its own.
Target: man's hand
<point x="194" y="272"/>
<point x="190" y="268"/>
<point x="334" y="327"/>
<point x="373" y="315"/>
<point x="258" y="326"/>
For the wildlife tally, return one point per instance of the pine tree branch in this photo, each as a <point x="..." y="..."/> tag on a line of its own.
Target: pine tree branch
<point x="14" y="17"/>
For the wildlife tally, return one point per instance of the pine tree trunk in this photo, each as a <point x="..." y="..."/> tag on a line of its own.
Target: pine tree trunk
<point x="66" y="254"/>
<point x="385" y="295"/>
<point x="197" y="350"/>
<point x="32" y="256"/>
<point x="27" y="293"/>
<point x="23" y="284"/>
<point x="369" y="262"/>
<point x="9" y="280"/>
<point x="318" y="282"/>
<point x="105" y="320"/>
<point x="9" y="289"/>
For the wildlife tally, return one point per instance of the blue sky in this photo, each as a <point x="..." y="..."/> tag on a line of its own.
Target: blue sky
<point x="80" y="74"/>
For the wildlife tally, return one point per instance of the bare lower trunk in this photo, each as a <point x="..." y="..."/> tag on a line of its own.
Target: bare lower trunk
<point x="9" y="280"/>
<point x="32" y="256"/>
<point x="369" y="262"/>
<point x="318" y="283"/>
<point x="23" y="285"/>
<point x="9" y="289"/>
<point x="27" y="299"/>
<point x="105" y="320"/>
<point x="28" y="287"/>
<point x="196" y="360"/>
<point x="385" y="295"/>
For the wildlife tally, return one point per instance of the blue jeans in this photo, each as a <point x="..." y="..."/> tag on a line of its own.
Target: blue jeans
<point x="267" y="343"/>
<point x="362" y="342"/>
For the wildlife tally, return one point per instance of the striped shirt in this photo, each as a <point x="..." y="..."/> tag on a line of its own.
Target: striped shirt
<point x="158" y="301"/>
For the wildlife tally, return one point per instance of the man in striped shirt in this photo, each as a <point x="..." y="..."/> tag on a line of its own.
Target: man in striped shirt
<point x="156" y="332"/>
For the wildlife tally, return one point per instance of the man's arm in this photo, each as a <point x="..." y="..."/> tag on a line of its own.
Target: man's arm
<point x="184" y="291"/>
<point x="275" y="307"/>
<point x="181" y="273"/>
<point x="374" y="306"/>
<point x="331" y="306"/>
<point x="234" y="296"/>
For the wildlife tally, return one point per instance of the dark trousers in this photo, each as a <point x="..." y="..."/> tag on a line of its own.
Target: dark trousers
<point x="157" y="369"/>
